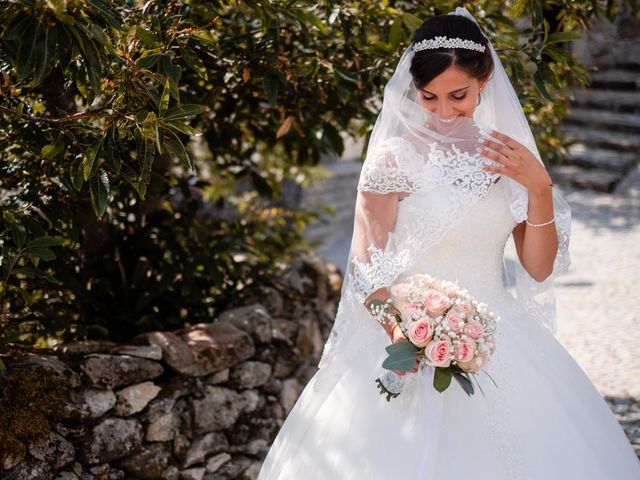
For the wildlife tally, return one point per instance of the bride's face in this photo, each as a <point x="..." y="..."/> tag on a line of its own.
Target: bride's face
<point x="451" y="94"/>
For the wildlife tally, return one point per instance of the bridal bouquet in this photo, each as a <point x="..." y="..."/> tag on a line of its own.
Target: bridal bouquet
<point x="445" y="327"/>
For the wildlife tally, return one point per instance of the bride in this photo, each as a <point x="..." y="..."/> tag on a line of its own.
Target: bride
<point x="452" y="171"/>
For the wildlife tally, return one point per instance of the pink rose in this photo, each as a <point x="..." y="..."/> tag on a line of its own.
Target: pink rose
<point x="438" y="353"/>
<point x="464" y="307"/>
<point x="454" y="321"/>
<point x="477" y="363"/>
<point x="409" y="310"/>
<point x="470" y="366"/>
<point x="464" y="350"/>
<point x="474" y="330"/>
<point x="421" y="332"/>
<point x="435" y="302"/>
<point x="400" y="290"/>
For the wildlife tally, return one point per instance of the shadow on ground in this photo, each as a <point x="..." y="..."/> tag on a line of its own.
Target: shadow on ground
<point x="627" y="411"/>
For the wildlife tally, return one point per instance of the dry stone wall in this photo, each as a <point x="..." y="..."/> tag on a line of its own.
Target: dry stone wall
<point x="204" y="402"/>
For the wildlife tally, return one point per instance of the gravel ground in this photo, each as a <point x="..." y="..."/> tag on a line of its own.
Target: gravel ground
<point x="598" y="300"/>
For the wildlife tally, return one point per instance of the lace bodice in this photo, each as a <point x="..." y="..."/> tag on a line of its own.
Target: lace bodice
<point x="471" y="252"/>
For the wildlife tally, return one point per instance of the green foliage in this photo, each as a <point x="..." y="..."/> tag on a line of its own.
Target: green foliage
<point x="401" y="356"/>
<point x="30" y="402"/>
<point x="149" y="148"/>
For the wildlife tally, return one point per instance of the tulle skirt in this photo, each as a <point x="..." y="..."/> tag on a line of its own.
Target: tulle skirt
<point x="543" y="418"/>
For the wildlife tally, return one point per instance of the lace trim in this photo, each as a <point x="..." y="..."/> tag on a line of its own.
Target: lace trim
<point x="499" y="419"/>
<point x="401" y="168"/>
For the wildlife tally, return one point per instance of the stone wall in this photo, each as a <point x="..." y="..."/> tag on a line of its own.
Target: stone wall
<point x="204" y="402"/>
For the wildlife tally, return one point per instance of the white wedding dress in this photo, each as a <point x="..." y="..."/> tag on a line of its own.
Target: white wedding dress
<point x="542" y="420"/>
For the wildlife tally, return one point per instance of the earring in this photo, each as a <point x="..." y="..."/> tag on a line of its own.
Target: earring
<point x="479" y="97"/>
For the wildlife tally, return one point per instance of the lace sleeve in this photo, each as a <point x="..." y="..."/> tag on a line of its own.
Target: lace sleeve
<point x="384" y="181"/>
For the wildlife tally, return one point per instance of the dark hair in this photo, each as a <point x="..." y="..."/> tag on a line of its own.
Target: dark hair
<point x="428" y="64"/>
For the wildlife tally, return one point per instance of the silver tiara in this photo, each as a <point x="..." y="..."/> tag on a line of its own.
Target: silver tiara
<point x="439" y="42"/>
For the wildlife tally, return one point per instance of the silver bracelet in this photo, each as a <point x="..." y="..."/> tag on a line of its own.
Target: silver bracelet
<point x="541" y="224"/>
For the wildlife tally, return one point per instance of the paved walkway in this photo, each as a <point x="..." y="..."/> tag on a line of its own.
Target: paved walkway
<point x="598" y="300"/>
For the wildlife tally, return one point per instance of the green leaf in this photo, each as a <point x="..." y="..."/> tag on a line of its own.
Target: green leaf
<point x="46" y="56"/>
<point x="109" y="14"/>
<point x="395" y="33"/>
<point x="183" y="111"/>
<point x="411" y="21"/>
<point x="99" y="192"/>
<point x="464" y="382"/>
<point x="8" y="217"/>
<point x="18" y="233"/>
<point x="47" y="241"/>
<point x="77" y="174"/>
<point x="146" y="37"/>
<point x="149" y="125"/>
<point x="51" y="150"/>
<point x="442" y="378"/>
<point x="175" y="147"/>
<point x="148" y="61"/>
<point x="402" y="356"/>
<point x="90" y="161"/>
<point x="560" y="37"/>
<point x="146" y="161"/>
<point x="271" y="85"/>
<point x="540" y="86"/>
<point x="517" y="8"/>
<point x="112" y="158"/>
<point x="89" y="53"/>
<point x="164" y="99"/>
<point x="195" y="63"/>
<point x="27" y="50"/>
<point x="174" y="91"/>
<point x="43" y="253"/>
<point x="18" y="28"/>
<point x="174" y="72"/>
<point x="557" y="54"/>
<point x="183" y="128"/>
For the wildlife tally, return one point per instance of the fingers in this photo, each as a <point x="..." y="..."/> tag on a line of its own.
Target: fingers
<point x="497" y="157"/>
<point x="505" y="150"/>
<point x="496" y="170"/>
<point x="506" y="139"/>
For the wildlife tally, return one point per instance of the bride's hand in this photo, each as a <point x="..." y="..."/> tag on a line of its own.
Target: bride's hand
<point x="517" y="162"/>
<point x="398" y="336"/>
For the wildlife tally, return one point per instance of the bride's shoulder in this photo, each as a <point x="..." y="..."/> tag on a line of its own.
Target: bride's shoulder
<point x="400" y="148"/>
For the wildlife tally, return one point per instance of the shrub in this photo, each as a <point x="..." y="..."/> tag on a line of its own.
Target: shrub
<point x="152" y="153"/>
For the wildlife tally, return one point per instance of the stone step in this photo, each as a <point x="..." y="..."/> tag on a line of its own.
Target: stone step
<point x="623" y="101"/>
<point x="623" y="54"/>
<point x="615" y="79"/>
<point x="598" y="179"/>
<point x="595" y="137"/>
<point x="628" y="122"/>
<point x="593" y="157"/>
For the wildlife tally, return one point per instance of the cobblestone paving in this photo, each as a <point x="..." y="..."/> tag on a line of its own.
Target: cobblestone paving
<point x="598" y="300"/>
